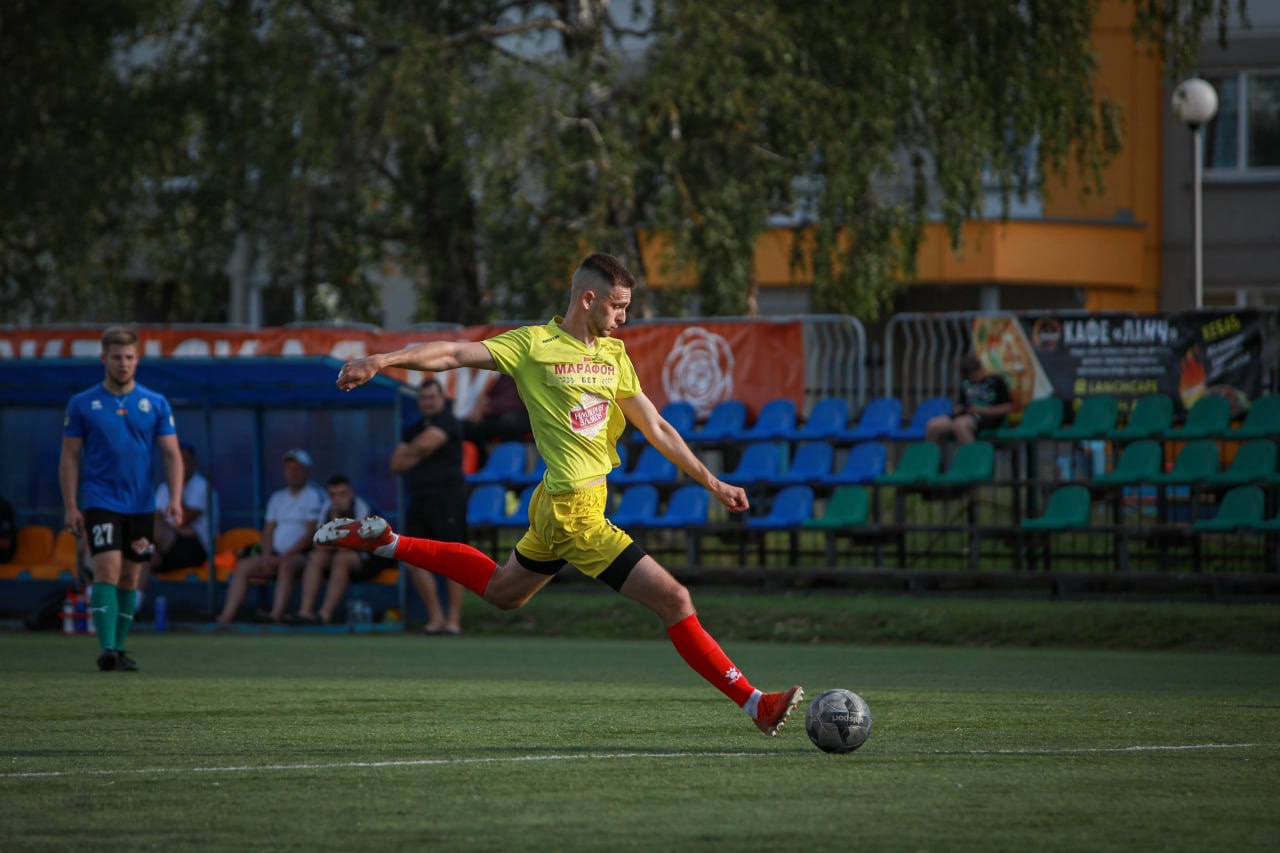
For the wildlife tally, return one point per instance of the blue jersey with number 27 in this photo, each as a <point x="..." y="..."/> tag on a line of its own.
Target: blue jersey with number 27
<point x="119" y="432"/>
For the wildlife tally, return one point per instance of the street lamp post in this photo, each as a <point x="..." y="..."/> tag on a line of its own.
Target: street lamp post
<point x="1195" y="103"/>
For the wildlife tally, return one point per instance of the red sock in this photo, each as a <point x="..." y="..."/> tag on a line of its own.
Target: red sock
<point x="700" y="650"/>
<point x="455" y="560"/>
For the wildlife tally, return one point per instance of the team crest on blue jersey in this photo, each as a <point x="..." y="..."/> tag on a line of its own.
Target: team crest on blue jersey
<point x="144" y="405"/>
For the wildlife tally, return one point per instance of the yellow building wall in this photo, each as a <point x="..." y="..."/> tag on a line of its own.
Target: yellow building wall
<point x="1108" y="244"/>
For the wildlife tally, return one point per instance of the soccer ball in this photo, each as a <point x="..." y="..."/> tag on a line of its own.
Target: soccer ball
<point x="838" y="721"/>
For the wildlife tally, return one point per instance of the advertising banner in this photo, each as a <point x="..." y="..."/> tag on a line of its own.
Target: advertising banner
<point x="1186" y="355"/>
<point x="699" y="362"/>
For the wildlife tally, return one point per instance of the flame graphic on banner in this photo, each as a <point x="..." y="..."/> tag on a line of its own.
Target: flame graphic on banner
<point x="699" y="369"/>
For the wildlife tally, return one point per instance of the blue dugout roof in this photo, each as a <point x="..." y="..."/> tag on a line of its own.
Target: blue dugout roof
<point x="229" y="382"/>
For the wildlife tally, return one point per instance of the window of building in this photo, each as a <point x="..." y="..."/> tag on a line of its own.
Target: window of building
<point x="1245" y="134"/>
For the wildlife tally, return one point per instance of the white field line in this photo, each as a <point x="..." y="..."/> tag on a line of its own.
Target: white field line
<point x="606" y="756"/>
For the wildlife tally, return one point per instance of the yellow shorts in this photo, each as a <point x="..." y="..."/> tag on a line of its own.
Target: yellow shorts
<point x="572" y="527"/>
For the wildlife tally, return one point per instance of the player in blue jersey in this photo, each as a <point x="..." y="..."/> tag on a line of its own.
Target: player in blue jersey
<point x="106" y="468"/>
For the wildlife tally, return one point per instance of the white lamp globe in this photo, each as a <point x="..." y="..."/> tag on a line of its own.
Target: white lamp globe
<point x="1195" y="102"/>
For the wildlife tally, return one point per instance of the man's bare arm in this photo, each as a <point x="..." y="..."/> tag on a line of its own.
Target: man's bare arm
<point x="433" y="356"/>
<point x="642" y="414"/>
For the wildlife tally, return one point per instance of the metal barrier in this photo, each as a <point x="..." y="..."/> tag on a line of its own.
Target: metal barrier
<point x="922" y="354"/>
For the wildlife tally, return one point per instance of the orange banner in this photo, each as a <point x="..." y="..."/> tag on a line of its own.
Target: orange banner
<point x="700" y="362"/>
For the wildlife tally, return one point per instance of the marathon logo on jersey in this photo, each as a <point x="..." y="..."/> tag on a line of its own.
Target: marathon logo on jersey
<point x="590" y="416"/>
<point x="586" y="367"/>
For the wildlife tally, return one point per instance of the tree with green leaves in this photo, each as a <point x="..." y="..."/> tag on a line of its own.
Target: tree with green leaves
<point x="163" y="155"/>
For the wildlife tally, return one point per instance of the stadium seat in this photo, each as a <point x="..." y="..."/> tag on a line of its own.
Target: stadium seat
<point x="505" y="464"/>
<point x="62" y="562"/>
<point x="1209" y="417"/>
<point x="531" y="477"/>
<point x="1150" y="417"/>
<point x="920" y="462"/>
<point x="776" y="420"/>
<point x="486" y="505"/>
<point x="652" y="467"/>
<point x="761" y="462"/>
<point x="518" y="517"/>
<point x="33" y="547"/>
<point x="1242" y="507"/>
<point x="687" y="508"/>
<point x="829" y="418"/>
<point x="680" y="414"/>
<point x="1068" y="507"/>
<point x="927" y="410"/>
<point x="1041" y="418"/>
<point x="882" y="416"/>
<point x="1262" y="420"/>
<point x="790" y="509"/>
<point x="972" y="463"/>
<point x="1196" y="462"/>
<point x="621" y="468"/>
<point x="1139" y="462"/>
<point x="1254" y="462"/>
<point x="726" y="420"/>
<point x="848" y="507"/>
<point x="811" y="462"/>
<point x="865" y="462"/>
<point x="1096" y="417"/>
<point x="637" y="508"/>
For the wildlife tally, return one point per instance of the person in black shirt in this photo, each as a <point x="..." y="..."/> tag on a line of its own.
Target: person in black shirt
<point x="983" y="404"/>
<point x="8" y="532"/>
<point x="429" y="457"/>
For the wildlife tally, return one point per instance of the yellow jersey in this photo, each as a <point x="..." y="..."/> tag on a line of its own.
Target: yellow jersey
<point x="571" y="391"/>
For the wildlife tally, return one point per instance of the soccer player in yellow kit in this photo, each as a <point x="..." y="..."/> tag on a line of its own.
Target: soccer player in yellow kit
<point x="580" y="389"/>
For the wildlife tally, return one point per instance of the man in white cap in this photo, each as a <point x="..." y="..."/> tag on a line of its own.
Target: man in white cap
<point x="292" y="514"/>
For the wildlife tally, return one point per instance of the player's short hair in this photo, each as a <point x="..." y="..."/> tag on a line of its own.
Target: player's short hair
<point x="339" y="480"/>
<point x="970" y="364"/>
<point x="119" y="336"/>
<point x="431" y="383"/>
<point x="602" y="269"/>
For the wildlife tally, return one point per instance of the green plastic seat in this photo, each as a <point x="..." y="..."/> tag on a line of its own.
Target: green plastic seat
<point x="1269" y="525"/>
<point x="973" y="463"/>
<point x="1095" y="418"/>
<point x="1150" y="417"/>
<point x="1040" y="419"/>
<point x="1068" y="508"/>
<point x="1209" y="416"/>
<point x="1262" y="420"/>
<point x="1196" y="462"/>
<point x="1241" y="507"/>
<point x="1139" y="462"/>
<point x="920" y="461"/>
<point x="1255" y="461"/>
<point x="849" y="506"/>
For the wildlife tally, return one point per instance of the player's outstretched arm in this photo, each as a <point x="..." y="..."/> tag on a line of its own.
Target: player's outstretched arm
<point x="642" y="414"/>
<point x="433" y="356"/>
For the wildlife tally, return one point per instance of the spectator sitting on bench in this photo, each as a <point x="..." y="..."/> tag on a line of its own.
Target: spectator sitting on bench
<point x="983" y="404"/>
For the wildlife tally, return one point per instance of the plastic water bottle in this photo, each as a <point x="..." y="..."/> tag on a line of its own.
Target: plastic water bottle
<point x="81" y="614"/>
<point x="162" y="613"/>
<point x="69" y="612"/>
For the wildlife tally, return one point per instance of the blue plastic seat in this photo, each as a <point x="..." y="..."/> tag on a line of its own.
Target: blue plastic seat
<point x="761" y="462"/>
<point x="791" y="508"/>
<point x="829" y="418"/>
<point x="681" y="415"/>
<point x="926" y="411"/>
<point x="812" y="462"/>
<point x="486" y="505"/>
<point x="776" y="421"/>
<point x="519" y="517"/>
<point x="687" y="508"/>
<point x="726" y="420"/>
<point x="623" y="455"/>
<point x="652" y="467"/>
<point x="506" y="464"/>
<point x="879" y="419"/>
<point x="865" y="462"/>
<point x="531" y="477"/>
<point x="637" y="508"/>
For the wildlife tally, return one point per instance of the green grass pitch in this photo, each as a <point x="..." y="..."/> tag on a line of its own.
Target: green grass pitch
<point x="403" y="742"/>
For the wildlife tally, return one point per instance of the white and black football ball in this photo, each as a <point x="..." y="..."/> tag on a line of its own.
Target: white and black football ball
<point x="838" y="721"/>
